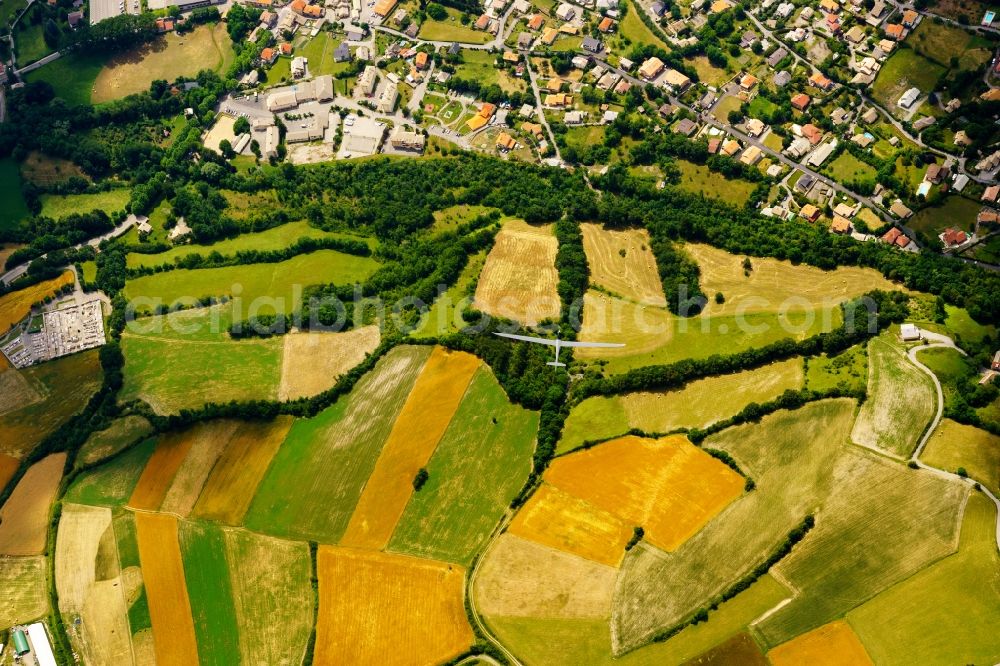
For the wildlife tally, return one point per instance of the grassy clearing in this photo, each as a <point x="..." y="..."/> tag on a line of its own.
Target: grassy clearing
<point x="939" y="42"/>
<point x="938" y="615"/>
<point x="270" y="287"/>
<point x="273" y="597"/>
<point x="445" y="314"/>
<point x="418" y="428"/>
<point x="954" y="445"/>
<point x="479" y="464"/>
<point x="316" y="478"/>
<point x="558" y="641"/>
<point x="847" y="168"/>
<point x="697" y="405"/>
<point x="61" y="205"/>
<point x="956" y="211"/>
<point x="848" y="368"/>
<point x="654" y="335"/>
<point x="633" y="29"/>
<point x="903" y="70"/>
<point x="451" y="30"/>
<point x="30" y="42"/>
<point x="698" y="179"/>
<point x="186" y="359"/>
<point x="72" y="76"/>
<point x="790" y="457"/>
<point x="106" y="443"/>
<point x="206" y="573"/>
<point x="901" y="401"/>
<point x="166" y="57"/>
<point x="44" y="170"/>
<point x="24" y="595"/>
<point x="112" y="483"/>
<point x="275" y="238"/>
<point x="15" y="208"/>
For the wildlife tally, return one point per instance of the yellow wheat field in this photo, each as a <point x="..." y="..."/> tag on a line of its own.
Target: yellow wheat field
<point x="519" y="279"/>
<point x="418" y="428"/>
<point x="166" y="589"/>
<point x="668" y="486"/>
<point x="208" y="441"/>
<point x="378" y="608"/>
<point x="832" y="644"/>
<point x="621" y="262"/>
<point x="160" y="470"/>
<point x="556" y="518"/>
<point x="312" y="362"/>
<point x="24" y="518"/>
<point x="16" y="305"/>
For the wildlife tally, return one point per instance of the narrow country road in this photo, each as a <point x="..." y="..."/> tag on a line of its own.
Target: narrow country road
<point x="938" y="341"/>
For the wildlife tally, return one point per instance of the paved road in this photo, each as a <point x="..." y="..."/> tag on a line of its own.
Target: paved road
<point x="533" y="79"/>
<point x="938" y="341"/>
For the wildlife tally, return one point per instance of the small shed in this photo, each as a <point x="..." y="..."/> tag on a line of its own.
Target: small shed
<point x="909" y="332"/>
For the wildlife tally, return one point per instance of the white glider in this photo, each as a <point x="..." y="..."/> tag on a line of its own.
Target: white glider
<point x="558" y="344"/>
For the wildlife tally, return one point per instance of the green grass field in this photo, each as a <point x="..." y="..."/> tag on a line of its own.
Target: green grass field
<point x="939" y="42"/>
<point x="633" y="29"/>
<point x="699" y="179"/>
<point x="792" y="457"/>
<point x="445" y="314"/>
<point x="956" y="211"/>
<point x="206" y="571"/>
<point x="30" y="42"/>
<point x="697" y="405"/>
<point x="478" y="466"/>
<point x="89" y="271"/>
<point x="939" y="616"/>
<point x="848" y="168"/>
<point x="848" y="368"/>
<point x="15" y="208"/>
<point x="901" y="401"/>
<point x="954" y="445"/>
<point x="112" y="483"/>
<point x="950" y="367"/>
<point x="72" y="76"/>
<point x="272" y="287"/>
<point x="105" y="443"/>
<point x="451" y="30"/>
<point x="543" y="641"/>
<point x="275" y="238"/>
<point x="61" y="205"/>
<point x="317" y="476"/>
<point x="903" y="70"/>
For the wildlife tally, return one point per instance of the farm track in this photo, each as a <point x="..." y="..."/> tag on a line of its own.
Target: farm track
<point x="943" y="342"/>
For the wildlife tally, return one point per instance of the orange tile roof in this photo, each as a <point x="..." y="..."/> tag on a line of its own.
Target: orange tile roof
<point x="421" y="60"/>
<point x="487" y="110"/>
<point x="606" y="25"/>
<point x="536" y="22"/>
<point x="384" y="7"/>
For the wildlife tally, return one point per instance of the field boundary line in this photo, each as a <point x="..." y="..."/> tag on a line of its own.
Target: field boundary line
<point x="121" y="588"/>
<point x="481" y="625"/>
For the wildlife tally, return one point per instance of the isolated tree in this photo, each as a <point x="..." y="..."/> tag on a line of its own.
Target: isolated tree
<point x="241" y="126"/>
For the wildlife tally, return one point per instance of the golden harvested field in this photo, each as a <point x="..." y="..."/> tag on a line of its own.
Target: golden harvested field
<point x="418" y="429"/>
<point x="272" y="596"/>
<point x="830" y="645"/>
<point x="642" y="328"/>
<point x="312" y="362"/>
<point x="8" y="465"/>
<point x="24" y="597"/>
<point x="16" y="305"/>
<point x="377" y="608"/>
<point x="24" y="518"/>
<point x="521" y="578"/>
<point x="519" y="279"/>
<point x="774" y="284"/>
<point x="668" y="486"/>
<point x="560" y="520"/>
<point x="166" y="589"/>
<point x="708" y="400"/>
<point x="90" y="586"/>
<point x="621" y="262"/>
<point x="153" y="484"/>
<point x="208" y="441"/>
<point x="231" y="485"/>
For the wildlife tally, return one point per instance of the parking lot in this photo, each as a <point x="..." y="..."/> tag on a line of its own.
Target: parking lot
<point x="105" y="9"/>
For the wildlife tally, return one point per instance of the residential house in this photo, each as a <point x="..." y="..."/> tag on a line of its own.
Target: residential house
<point x="549" y="36"/>
<point x="676" y="80"/>
<point x="685" y="127"/>
<point x="367" y="80"/>
<point x="895" y="31"/>
<point x="899" y="210"/>
<point x="910" y="18"/>
<point x="923" y="123"/>
<point x="387" y="100"/>
<point x="524" y="40"/>
<point x="755" y="127"/>
<point x="536" y="22"/>
<point x="782" y="79"/>
<point x="886" y="46"/>
<point x="730" y="147"/>
<point x="748" y="39"/>
<point x="268" y="19"/>
<point x="342" y="53"/>
<point x="401" y="139"/>
<point x="839" y="116"/>
<point x="74" y="19"/>
<point x="870" y="116"/>
<point x="534" y="129"/>
<point x="384" y="7"/>
<point x="713" y="146"/>
<point x="751" y="156"/>
<point x="285" y="48"/>
<point x="666" y="111"/>
<point x="798" y="147"/>
<point x="268" y="55"/>
<point x="565" y="12"/>
<point x="843" y="210"/>
<point x="812" y="133"/>
<point x="801" y="101"/>
<point x="592" y="45"/>
<point x="819" y="80"/>
<point x="908" y="98"/>
<point x="651" y="68"/>
<point x="840" y="225"/>
<point x="829" y="6"/>
<point x="574" y="117"/>
<point x="505" y="142"/>
<point x="625" y="64"/>
<point x="558" y="100"/>
<point x="482" y="22"/>
<point x="606" y="25"/>
<point x="748" y="82"/>
<point x="804" y="183"/>
<point x="421" y="61"/>
<point x="810" y="212"/>
<point x="896" y="237"/>
<point x="299" y="67"/>
<point x="777" y="56"/>
<point x="961" y="138"/>
<point x="855" y="34"/>
<point x="991" y="193"/>
<point x="952" y="237"/>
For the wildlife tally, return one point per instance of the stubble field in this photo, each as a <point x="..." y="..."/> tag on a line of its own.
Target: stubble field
<point x="519" y="279"/>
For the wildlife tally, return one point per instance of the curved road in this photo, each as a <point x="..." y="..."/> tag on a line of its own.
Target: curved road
<point x="943" y="342"/>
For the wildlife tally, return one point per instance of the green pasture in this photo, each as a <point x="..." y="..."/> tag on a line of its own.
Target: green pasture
<point x="111" y="484"/>
<point x="445" y="314"/>
<point x="452" y="30"/>
<point x="61" y="205"/>
<point x="106" y="443"/>
<point x="939" y="616"/>
<point x="270" y="287"/>
<point x="15" y="208"/>
<point x="275" y="238"/>
<point x="699" y="179"/>
<point x="480" y="463"/>
<point x="206" y="572"/>
<point x="849" y="368"/>
<point x="72" y="76"/>
<point x="903" y="70"/>
<point x="955" y="211"/>
<point x="955" y="445"/>
<point x="317" y="476"/>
